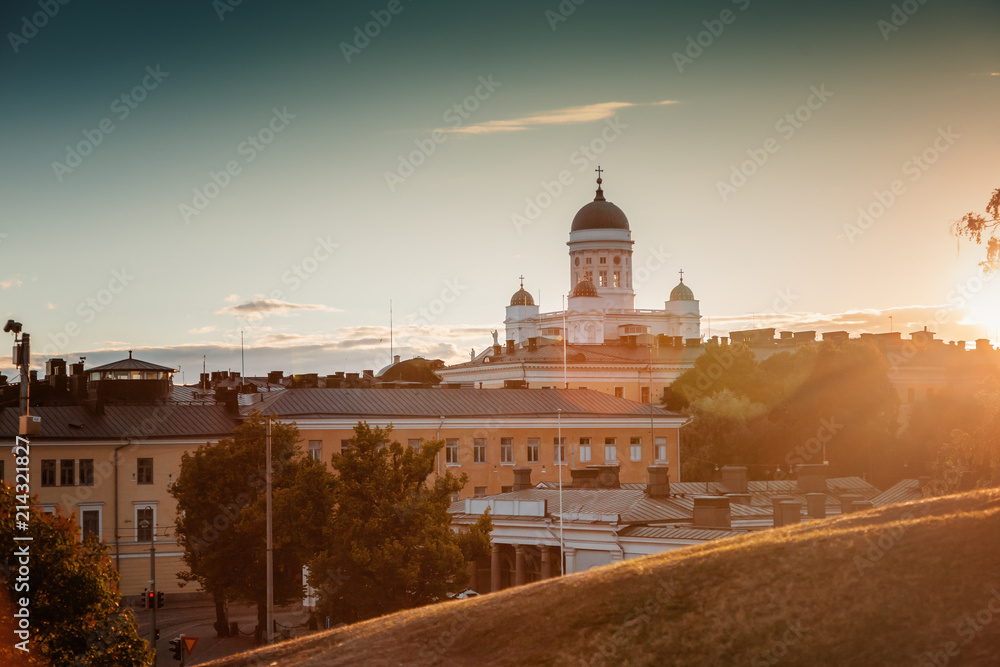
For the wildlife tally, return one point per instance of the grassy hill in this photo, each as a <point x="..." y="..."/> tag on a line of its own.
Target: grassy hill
<point x="913" y="584"/>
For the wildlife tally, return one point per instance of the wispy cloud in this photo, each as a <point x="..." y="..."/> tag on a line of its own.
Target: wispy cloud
<point x="202" y="330"/>
<point x="259" y="308"/>
<point x="569" y="116"/>
<point x="13" y="281"/>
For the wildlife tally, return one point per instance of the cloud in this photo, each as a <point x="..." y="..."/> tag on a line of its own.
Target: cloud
<point x="567" y="116"/>
<point x="232" y="298"/>
<point x="260" y="308"/>
<point x="50" y="305"/>
<point x="13" y="281"/>
<point x="202" y="330"/>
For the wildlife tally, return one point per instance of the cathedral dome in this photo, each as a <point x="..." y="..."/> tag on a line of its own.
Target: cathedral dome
<point x="599" y="214"/>
<point x="522" y="298"/>
<point x="585" y="288"/>
<point x="682" y="292"/>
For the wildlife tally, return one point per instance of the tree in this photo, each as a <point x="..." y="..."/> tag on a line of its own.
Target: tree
<point x="76" y="612"/>
<point x="221" y="515"/>
<point x="971" y="456"/>
<point x="975" y="226"/>
<point x="389" y="544"/>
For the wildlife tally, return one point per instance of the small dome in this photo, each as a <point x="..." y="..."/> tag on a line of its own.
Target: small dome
<point x="522" y="298"/>
<point x="599" y="214"/>
<point x="681" y="293"/>
<point x="585" y="288"/>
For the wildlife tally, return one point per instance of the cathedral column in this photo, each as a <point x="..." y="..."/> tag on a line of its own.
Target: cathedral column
<point x="546" y="561"/>
<point x="495" y="568"/>
<point x="570" y="561"/>
<point x="518" y="565"/>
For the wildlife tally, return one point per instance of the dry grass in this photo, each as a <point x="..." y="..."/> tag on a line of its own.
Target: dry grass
<point x="822" y="593"/>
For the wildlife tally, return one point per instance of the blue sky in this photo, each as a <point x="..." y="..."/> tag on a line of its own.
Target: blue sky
<point x="267" y="170"/>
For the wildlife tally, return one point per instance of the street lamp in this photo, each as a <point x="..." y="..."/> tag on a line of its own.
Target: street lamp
<point x="148" y="523"/>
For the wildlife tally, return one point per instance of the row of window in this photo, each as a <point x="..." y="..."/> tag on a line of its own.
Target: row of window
<point x="602" y="278"/>
<point x="73" y="472"/>
<point x="533" y="450"/>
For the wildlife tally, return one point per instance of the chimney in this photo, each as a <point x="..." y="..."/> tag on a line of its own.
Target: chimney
<point x="659" y="481"/>
<point x="816" y="504"/>
<point x="33" y="376"/>
<point x="510" y="347"/>
<point x="497" y="349"/>
<point x="712" y="512"/>
<point x="776" y="509"/>
<point x="595" y="477"/>
<point x="522" y="478"/>
<point x="846" y="500"/>
<point x="275" y="377"/>
<point x="861" y="505"/>
<point x="532" y="344"/>
<point x="789" y="513"/>
<point x="811" y="477"/>
<point x="734" y="479"/>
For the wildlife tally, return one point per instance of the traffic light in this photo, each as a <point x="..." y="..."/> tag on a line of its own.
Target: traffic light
<point x="176" y="646"/>
<point x="150" y="600"/>
<point x="145" y="598"/>
<point x="159" y="599"/>
<point x="157" y="634"/>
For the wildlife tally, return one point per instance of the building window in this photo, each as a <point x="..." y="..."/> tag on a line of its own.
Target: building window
<point x="588" y="260"/>
<point x="451" y="451"/>
<point x="67" y="472"/>
<point x="588" y="275"/>
<point x="414" y="443"/>
<point x="86" y="472"/>
<point x="602" y="279"/>
<point x="144" y="471"/>
<point x="602" y="260"/>
<point x="480" y="492"/>
<point x="610" y="450"/>
<point x="635" y="448"/>
<point x="661" y="449"/>
<point x="145" y="523"/>
<point x="533" y="450"/>
<point x="346" y="445"/>
<point x="90" y="523"/>
<point x="617" y="277"/>
<point x="584" y="450"/>
<point x="619" y="392"/>
<point x="506" y="489"/>
<point x="506" y="450"/>
<point x="479" y="450"/>
<point x="315" y="449"/>
<point x="454" y="496"/>
<point x="644" y="394"/>
<point x="48" y="472"/>
<point x="559" y="447"/>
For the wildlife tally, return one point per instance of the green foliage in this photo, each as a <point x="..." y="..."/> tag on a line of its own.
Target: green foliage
<point x="389" y="544"/>
<point x="975" y="227"/>
<point x="220" y="495"/>
<point x="970" y="457"/>
<point x="76" y="613"/>
<point x="786" y="409"/>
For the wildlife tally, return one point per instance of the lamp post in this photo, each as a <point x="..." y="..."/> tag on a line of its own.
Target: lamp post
<point x="559" y="463"/>
<point x="269" y="634"/>
<point x="148" y="523"/>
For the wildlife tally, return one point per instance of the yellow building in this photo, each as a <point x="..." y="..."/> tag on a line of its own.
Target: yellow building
<point x="487" y="432"/>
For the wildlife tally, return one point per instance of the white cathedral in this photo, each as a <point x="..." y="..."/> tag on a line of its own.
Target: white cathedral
<point x="609" y="344"/>
<point x="601" y="306"/>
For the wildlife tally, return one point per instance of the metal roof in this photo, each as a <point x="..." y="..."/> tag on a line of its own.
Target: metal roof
<point x="359" y="403"/>
<point x="131" y="364"/>
<point x="902" y="492"/>
<point x="163" y="420"/>
<point x="679" y="533"/>
<point x="631" y="506"/>
<point x="548" y="352"/>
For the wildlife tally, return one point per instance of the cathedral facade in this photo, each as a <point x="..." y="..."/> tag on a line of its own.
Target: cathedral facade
<point x="601" y="340"/>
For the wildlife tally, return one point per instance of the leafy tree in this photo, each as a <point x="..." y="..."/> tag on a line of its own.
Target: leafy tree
<point x="788" y="409"/>
<point x="389" y="544"/>
<point x="221" y="520"/>
<point x="971" y="456"/>
<point x="975" y="226"/>
<point x="76" y="613"/>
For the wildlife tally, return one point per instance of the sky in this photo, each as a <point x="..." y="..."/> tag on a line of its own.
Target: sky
<point x="175" y="173"/>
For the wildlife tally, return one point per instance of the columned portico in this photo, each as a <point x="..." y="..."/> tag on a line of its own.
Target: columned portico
<point x="519" y="565"/>
<point x="546" y="562"/>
